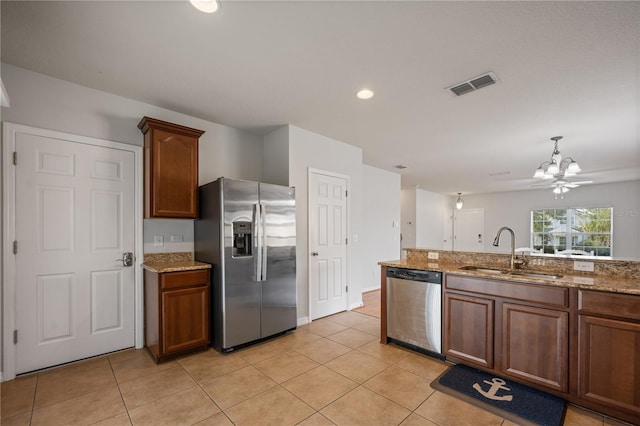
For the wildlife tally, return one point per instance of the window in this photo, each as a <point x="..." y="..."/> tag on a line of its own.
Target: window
<point x="588" y="229"/>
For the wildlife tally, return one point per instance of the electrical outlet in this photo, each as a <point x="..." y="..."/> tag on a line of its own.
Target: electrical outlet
<point x="177" y="238"/>
<point x="158" y="240"/>
<point x="582" y="266"/>
<point x="433" y="255"/>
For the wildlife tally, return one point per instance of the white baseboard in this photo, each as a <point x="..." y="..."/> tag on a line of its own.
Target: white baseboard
<point x="364" y="290"/>
<point x="356" y="305"/>
<point x="303" y="321"/>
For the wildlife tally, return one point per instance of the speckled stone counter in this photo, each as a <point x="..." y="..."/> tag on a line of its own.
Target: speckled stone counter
<point x="608" y="275"/>
<point x="172" y="262"/>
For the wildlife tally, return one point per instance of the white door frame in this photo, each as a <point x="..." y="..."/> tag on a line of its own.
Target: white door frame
<point x="9" y="232"/>
<point x="347" y="178"/>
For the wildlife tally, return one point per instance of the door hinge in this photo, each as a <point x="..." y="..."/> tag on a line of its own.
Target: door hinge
<point x="346" y="193"/>
<point x="15" y="337"/>
<point x="15" y="158"/>
<point x="15" y="247"/>
<point x="346" y="241"/>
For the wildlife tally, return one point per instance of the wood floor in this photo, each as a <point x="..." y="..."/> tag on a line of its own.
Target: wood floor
<point x="371" y="301"/>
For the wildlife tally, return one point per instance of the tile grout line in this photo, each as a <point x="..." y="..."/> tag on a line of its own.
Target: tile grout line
<point x="206" y="393"/>
<point x="126" y="409"/>
<point x="33" y="404"/>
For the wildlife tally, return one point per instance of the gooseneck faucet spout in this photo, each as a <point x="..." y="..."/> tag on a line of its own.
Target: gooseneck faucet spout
<point x="496" y="242"/>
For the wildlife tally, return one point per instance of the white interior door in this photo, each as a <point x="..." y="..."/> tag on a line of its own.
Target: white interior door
<point x="327" y="244"/>
<point x="75" y="217"/>
<point x="468" y="230"/>
<point x="447" y="230"/>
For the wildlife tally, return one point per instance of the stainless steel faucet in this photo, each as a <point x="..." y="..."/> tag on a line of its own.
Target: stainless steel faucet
<point x="496" y="242"/>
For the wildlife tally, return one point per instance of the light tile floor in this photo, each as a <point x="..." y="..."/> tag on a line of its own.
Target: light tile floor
<point x="332" y="371"/>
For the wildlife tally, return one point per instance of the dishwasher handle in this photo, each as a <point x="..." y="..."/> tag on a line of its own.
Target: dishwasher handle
<point x="415" y="275"/>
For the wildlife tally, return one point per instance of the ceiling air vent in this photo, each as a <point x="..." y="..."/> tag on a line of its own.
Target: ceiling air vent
<point x="473" y="84"/>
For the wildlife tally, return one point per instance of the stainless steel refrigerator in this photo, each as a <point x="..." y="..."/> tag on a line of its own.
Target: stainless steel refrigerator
<point x="247" y="231"/>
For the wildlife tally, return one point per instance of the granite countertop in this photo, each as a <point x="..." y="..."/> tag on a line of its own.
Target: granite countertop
<point x="588" y="282"/>
<point x="172" y="262"/>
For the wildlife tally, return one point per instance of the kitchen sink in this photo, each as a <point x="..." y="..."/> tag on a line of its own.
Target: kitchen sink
<point x="529" y="274"/>
<point x="536" y="275"/>
<point x="484" y="269"/>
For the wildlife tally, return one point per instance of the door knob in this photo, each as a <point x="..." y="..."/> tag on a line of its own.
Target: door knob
<point x="314" y="253"/>
<point x="127" y="258"/>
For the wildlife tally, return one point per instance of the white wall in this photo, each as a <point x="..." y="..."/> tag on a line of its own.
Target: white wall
<point x="430" y="208"/>
<point x="41" y="101"/>
<point x="423" y="218"/>
<point x="513" y="209"/>
<point x="408" y="217"/>
<point x="380" y="238"/>
<point x="311" y="150"/>
<point x="275" y="160"/>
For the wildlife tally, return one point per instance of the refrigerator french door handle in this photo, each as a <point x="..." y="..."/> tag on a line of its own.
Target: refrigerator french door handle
<point x="263" y="217"/>
<point x="257" y="227"/>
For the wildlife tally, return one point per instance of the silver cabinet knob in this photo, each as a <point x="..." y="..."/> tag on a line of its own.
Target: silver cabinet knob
<point x="314" y="253"/>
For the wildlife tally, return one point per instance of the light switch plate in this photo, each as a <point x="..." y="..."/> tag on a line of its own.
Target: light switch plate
<point x="158" y="240"/>
<point x="433" y="255"/>
<point x="582" y="266"/>
<point x="177" y="238"/>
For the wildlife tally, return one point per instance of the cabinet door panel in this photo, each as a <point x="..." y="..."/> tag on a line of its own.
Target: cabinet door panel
<point x="185" y="320"/>
<point x="468" y="323"/>
<point x="175" y="175"/>
<point x="609" y="362"/>
<point x="535" y="345"/>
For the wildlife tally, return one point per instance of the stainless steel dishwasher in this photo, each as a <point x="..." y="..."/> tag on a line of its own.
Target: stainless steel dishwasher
<point x="414" y="309"/>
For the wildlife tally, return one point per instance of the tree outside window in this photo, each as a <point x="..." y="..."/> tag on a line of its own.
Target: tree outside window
<point x="587" y="229"/>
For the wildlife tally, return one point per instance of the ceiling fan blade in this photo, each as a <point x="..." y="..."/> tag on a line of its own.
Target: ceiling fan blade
<point x="582" y="182"/>
<point x="571" y="185"/>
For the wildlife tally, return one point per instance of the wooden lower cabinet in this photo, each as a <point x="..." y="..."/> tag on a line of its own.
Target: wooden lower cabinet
<point x="581" y="345"/>
<point x="535" y="345"/>
<point x="176" y="312"/>
<point x="609" y="351"/>
<point x="468" y="325"/>
<point x="509" y="328"/>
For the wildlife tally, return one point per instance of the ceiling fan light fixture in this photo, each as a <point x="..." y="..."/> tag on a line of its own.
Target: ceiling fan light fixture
<point x="558" y="168"/>
<point x="573" y="167"/>
<point x="207" y="6"/>
<point x="553" y="169"/>
<point x="539" y="174"/>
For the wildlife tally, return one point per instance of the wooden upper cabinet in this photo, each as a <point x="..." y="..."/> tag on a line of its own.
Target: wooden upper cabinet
<point x="171" y="169"/>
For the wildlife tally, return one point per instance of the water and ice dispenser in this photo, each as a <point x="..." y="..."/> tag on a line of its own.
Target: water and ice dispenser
<point x="242" y="239"/>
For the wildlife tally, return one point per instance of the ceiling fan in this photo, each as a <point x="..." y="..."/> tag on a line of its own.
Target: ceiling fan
<point x="559" y="169"/>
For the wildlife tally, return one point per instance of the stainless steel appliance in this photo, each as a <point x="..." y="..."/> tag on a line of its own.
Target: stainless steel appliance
<point x="414" y="309"/>
<point x="247" y="231"/>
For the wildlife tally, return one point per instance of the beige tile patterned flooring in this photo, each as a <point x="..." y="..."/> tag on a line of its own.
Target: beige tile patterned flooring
<point x="332" y="371"/>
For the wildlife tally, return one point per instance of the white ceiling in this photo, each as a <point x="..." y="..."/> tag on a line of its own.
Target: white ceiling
<point x="565" y="68"/>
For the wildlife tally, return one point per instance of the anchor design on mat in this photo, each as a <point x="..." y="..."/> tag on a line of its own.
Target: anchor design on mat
<point x="496" y="385"/>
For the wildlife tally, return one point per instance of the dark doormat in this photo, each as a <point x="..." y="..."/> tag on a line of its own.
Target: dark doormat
<point x="505" y="398"/>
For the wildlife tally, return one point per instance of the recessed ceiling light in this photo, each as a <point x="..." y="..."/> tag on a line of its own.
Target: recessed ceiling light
<point x="207" y="6"/>
<point x="365" y="94"/>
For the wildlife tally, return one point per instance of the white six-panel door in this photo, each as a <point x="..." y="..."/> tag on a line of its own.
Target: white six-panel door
<point x="74" y="219"/>
<point x="327" y="244"/>
<point x="468" y="230"/>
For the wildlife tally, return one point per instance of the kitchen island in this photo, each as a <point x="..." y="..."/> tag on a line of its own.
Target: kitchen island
<point x="574" y="335"/>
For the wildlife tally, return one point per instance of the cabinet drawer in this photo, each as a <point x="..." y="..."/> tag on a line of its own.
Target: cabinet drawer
<point x="172" y="280"/>
<point x="557" y="297"/>
<point x="619" y="305"/>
